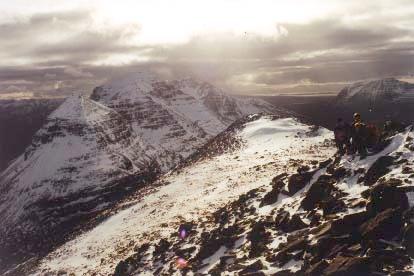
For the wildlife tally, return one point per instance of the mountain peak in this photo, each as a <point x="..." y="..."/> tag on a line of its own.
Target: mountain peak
<point x="376" y="92"/>
<point x="70" y="109"/>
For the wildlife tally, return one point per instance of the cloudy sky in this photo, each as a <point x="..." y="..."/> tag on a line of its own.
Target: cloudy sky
<point x="57" y="47"/>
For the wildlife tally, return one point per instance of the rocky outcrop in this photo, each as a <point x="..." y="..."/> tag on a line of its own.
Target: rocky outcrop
<point x="335" y="226"/>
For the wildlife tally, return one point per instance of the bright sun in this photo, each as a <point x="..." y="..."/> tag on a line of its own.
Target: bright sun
<point x="166" y="21"/>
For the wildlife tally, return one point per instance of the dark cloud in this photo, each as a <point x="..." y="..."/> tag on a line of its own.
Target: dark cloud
<point x="62" y="38"/>
<point x="320" y="52"/>
<point x="59" y="50"/>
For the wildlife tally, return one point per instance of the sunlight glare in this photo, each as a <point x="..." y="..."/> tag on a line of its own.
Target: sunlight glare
<point x="164" y="21"/>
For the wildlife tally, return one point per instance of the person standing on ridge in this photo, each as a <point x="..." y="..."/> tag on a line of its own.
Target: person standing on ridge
<point x="342" y="134"/>
<point x="359" y="136"/>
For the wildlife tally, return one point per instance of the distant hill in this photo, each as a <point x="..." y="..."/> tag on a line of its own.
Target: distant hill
<point x="379" y="100"/>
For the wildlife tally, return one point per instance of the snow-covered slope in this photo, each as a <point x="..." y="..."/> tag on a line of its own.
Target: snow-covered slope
<point x="273" y="205"/>
<point x="94" y="151"/>
<point x="174" y="117"/>
<point x="377" y="92"/>
<point x="245" y="157"/>
<point x="79" y="163"/>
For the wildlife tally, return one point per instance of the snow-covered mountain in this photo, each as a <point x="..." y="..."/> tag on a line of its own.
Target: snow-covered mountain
<point x="92" y="152"/>
<point x="175" y="117"/>
<point x="377" y="92"/>
<point x="378" y="100"/>
<point x="266" y="197"/>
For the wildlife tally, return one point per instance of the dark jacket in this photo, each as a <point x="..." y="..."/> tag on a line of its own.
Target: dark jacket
<point x="342" y="132"/>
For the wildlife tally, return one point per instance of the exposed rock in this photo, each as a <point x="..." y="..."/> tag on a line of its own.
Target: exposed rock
<point x="358" y="203"/>
<point x="349" y="223"/>
<point x="408" y="239"/>
<point x="385" y="225"/>
<point x="359" y="171"/>
<point x="389" y="258"/>
<point x="303" y="169"/>
<point x="272" y="196"/>
<point x="332" y="205"/>
<point x="402" y="273"/>
<point x="317" y="269"/>
<point x="283" y="256"/>
<point x="407" y="170"/>
<point x="258" y="237"/>
<point x="340" y="172"/>
<point x="325" y="163"/>
<point x="162" y="247"/>
<point x="299" y="181"/>
<point x="282" y="219"/>
<point x="287" y="224"/>
<point x="254" y="267"/>
<point x="345" y="266"/>
<point x="295" y="223"/>
<point x="387" y="195"/>
<point x="319" y="190"/>
<point x="378" y="169"/>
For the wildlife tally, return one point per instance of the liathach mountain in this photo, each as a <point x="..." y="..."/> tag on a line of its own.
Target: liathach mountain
<point x="93" y="151"/>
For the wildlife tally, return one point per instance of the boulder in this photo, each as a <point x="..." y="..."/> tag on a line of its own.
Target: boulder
<point x="252" y="268"/>
<point x="385" y="225"/>
<point x="378" y="169"/>
<point x="272" y="196"/>
<point x="340" y="172"/>
<point x="319" y="190"/>
<point x="295" y="223"/>
<point x="162" y="247"/>
<point x="285" y="253"/>
<point x="349" y="224"/>
<point x="345" y="266"/>
<point x="317" y="268"/>
<point x="299" y="181"/>
<point x="332" y="205"/>
<point x="282" y="220"/>
<point x="287" y="224"/>
<point x="407" y="170"/>
<point x="389" y="258"/>
<point x="258" y="237"/>
<point x="325" y="163"/>
<point x="303" y="169"/>
<point x="122" y="268"/>
<point x="387" y="195"/>
<point x="328" y="246"/>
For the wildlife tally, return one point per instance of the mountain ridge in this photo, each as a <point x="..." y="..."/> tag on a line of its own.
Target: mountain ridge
<point x="377" y="92"/>
<point x="92" y="153"/>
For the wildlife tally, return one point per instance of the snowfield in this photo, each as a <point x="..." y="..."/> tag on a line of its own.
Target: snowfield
<point x="269" y="148"/>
